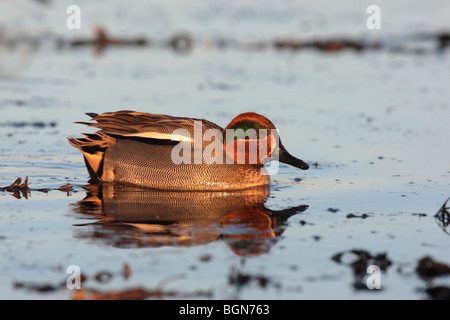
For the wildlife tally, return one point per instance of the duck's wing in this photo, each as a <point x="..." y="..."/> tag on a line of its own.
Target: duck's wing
<point x="146" y="127"/>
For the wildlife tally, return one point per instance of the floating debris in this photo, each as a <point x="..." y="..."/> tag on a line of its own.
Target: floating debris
<point x="18" y="188"/>
<point x="25" y="184"/>
<point x="103" y="276"/>
<point x="443" y="40"/>
<point x="428" y="268"/>
<point x="45" y="287"/>
<point x="420" y="214"/>
<point x="136" y="294"/>
<point x="42" y="288"/>
<point x="438" y="292"/>
<point x="241" y="279"/>
<point x="205" y="257"/>
<point x="128" y="294"/>
<point x="16" y="184"/>
<point x="364" y="258"/>
<point x="126" y="271"/>
<point x="180" y="42"/>
<point x="34" y="124"/>
<point x="303" y="223"/>
<point x="102" y="40"/>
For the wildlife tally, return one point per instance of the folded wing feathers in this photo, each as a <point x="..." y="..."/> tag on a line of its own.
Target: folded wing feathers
<point x="144" y="125"/>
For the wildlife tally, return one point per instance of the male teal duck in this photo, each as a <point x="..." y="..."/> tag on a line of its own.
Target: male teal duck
<point x="177" y="153"/>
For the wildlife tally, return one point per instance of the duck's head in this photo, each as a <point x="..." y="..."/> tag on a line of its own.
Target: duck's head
<point x="251" y="138"/>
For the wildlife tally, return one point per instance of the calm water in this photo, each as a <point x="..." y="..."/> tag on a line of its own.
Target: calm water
<point x="373" y="125"/>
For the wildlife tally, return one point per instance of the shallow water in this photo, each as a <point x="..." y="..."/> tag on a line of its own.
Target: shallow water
<point x="373" y="125"/>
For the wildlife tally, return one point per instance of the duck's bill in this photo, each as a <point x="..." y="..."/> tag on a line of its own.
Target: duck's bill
<point x="287" y="158"/>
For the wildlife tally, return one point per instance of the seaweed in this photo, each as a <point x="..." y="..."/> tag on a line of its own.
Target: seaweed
<point x="18" y="188"/>
<point x="427" y="268"/>
<point x="184" y="42"/>
<point x="104" y="277"/>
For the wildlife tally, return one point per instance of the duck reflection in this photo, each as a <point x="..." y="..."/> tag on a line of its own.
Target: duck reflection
<point x="134" y="217"/>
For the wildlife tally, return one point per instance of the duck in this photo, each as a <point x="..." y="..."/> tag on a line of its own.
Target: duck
<point x="164" y="152"/>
